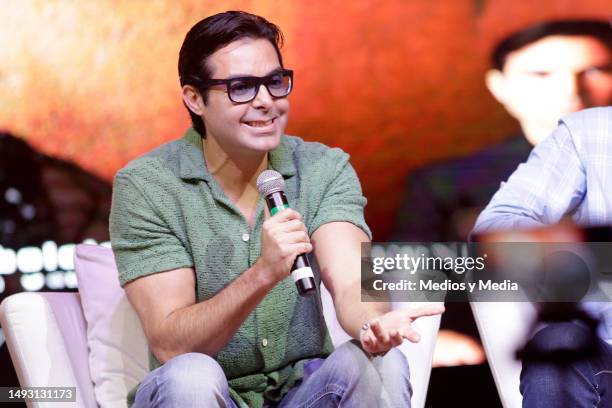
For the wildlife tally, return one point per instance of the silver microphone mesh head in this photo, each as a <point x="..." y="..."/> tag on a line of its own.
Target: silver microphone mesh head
<point x="270" y="181"/>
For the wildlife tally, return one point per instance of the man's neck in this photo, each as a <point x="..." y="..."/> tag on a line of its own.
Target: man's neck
<point x="535" y="133"/>
<point x="236" y="174"/>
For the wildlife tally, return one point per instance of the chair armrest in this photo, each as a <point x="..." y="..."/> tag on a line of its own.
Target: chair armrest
<point x="46" y="338"/>
<point x="420" y="355"/>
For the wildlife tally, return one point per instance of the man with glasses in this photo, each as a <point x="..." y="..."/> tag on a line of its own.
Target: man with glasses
<point x="207" y="271"/>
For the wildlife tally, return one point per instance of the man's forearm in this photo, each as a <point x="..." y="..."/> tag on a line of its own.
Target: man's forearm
<point x="352" y="313"/>
<point x="207" y="326"/>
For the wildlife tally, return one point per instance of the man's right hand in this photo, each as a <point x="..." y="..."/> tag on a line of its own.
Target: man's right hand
<point x="283" y="237"/>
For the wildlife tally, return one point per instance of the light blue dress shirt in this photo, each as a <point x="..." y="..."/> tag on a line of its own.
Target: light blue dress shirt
<point x="567" y="174"/>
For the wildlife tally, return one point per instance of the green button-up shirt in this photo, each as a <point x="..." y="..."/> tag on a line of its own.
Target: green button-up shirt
<point x="168" y="212"/>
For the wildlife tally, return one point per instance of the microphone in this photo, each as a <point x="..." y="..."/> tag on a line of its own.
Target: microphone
<point x="270" y="184"/>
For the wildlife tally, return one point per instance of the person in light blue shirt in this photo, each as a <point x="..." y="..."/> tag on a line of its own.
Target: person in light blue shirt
<point x="569" y="174"/>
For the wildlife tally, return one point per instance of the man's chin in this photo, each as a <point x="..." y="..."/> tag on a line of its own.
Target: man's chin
<point x="263" y="143"/>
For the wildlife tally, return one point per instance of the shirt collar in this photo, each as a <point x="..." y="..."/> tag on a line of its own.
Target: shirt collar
<point x="192" y="164"/>
<point x="191" y="157"/>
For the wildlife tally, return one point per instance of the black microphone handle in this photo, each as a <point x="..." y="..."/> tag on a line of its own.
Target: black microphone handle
<point x="301" y="272"/>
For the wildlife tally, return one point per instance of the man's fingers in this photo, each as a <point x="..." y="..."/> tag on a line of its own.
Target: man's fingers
<point x="296" y="237"/>
<point x="368" y="342"/>
<point x="284" y="224"/>
<point x="427" y="310"/>
<point x="411" y="335"/>
<point x="378" y="331"/>
<point x="292" y="225"/>
<point x="286" y="215"/>
<point x="300" y="248"/>
<point x="396" y="338"/>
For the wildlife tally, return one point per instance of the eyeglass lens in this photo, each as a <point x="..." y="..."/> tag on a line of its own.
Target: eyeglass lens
<point x="245" y="89"/>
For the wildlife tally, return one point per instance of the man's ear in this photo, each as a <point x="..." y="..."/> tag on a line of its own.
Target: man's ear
<point x="496" y="83"/>
<point x="193" y="99"/>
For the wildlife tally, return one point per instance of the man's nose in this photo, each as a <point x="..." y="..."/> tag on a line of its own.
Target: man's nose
<point x="263" y="99"/>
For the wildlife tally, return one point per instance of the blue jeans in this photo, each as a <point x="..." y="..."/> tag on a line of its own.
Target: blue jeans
<point x="583" y="382"/>
<point x="346" y="378"/>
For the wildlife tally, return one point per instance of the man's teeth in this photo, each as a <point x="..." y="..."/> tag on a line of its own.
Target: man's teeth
<point x="259" y="123"/>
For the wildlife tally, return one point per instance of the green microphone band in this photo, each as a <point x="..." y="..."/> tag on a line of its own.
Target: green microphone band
<point x="274" y="210"/>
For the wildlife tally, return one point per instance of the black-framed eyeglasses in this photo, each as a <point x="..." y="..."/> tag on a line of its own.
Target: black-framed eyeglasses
<point x="245" y="89"/>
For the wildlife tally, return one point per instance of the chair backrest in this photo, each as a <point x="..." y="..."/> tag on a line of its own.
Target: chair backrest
<point x="118" y="357"/>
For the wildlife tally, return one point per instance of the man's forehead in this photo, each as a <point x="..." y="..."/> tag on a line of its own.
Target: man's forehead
<point x="559" y="51"/>
<point x="243" y="57"/>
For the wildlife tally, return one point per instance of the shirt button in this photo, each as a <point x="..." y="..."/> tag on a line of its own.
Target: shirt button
<point x="246" y="237"/>
<point x="264" y="342"/>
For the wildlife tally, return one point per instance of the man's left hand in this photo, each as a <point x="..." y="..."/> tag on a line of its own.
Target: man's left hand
<point x="390" y="329"/>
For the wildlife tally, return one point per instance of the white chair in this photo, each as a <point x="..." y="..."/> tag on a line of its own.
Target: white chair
<point x="51" y="344"/>
<point x="46" y="337"/>
<point x="504" y="328"/>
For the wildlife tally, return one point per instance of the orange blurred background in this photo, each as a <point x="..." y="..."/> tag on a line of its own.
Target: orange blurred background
<point x="396" y="84"/>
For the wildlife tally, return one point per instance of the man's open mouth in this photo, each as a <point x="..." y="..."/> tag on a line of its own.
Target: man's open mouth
<point x="259" y="123"/>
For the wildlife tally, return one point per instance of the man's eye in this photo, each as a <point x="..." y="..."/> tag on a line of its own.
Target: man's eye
<point x="276" y="81"/>
<point x="601" y="70"/>
<point x="540" y="74"/>
<point x="238" y="87"/>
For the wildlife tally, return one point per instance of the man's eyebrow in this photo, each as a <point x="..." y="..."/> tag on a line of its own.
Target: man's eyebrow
<point x="274" y="71"/>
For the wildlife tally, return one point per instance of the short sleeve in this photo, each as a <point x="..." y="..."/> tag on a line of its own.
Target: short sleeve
<point x="342" y="199"/>
<point x="142" y="241"/>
